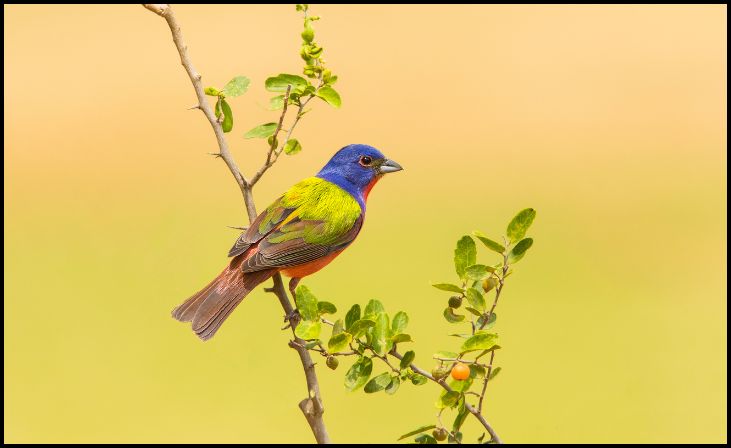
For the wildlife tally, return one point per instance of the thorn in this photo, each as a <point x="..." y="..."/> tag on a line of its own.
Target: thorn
<point x="197" y="106"/>
<point x="215" y="154"/>
<point x="268" y="289"/>
<point x="240" y="228"/>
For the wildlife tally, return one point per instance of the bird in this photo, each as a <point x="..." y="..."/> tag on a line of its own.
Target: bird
<point x="300" y="233"/>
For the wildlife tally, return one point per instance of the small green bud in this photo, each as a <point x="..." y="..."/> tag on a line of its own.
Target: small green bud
<point x="440" y="434"/>
<point x="212" y="91"/>
<point x="440" y="371"/>
<point x="455" y="302"/>
<point x="332" y="362"/>
<point x="308" y="34"/>
<point x="489" y="283"/>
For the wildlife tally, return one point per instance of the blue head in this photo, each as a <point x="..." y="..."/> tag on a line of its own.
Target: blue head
<point x="356" y="168"/>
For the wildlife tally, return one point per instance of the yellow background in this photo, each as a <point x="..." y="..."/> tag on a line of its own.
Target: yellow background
<point x="609" y="120"/>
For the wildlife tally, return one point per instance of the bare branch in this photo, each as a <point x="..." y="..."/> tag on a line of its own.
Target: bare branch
<point x="166" y="12"/>
<point x="484" y="384"/>
<point x="311" y="406"/>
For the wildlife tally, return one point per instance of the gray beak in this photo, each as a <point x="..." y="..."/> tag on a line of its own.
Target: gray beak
<point x="389" y="166"/>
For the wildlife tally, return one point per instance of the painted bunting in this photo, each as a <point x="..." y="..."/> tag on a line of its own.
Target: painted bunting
<point x="297" y="235"/>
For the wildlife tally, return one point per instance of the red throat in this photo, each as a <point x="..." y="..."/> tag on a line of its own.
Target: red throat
<point x="369" y="187"/>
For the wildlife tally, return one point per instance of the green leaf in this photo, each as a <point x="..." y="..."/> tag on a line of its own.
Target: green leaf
<point x="456" y="439"/>
<point x="276" y="102"/>
<point x="489" y="284"/>
<point x="473" y="311"/>
<point x="464" y="255"/>
<point x="339" y="342"/>
<point x="358" y="373"/>
<point x="262" y="131"/>
<point x="477" y="272"/>
<point x="329" y="95"/>
<point x="445" y="355"/>
<point x="308" y="34"/>
<point x="460" y="385"/>
<point x="218" y="108"/>
<point x="292" y="147"/>
<point x="476" y="371"/>
<point x="359" y="327"/>
<point x="393" y="386"/>
<point x="307" y="304"/>
<point x="476" y="299"/>
<point x="463" y="336"/>
<point x="401" y="337"/>
<point x="373" y="308"/>
<point x="400" y="321"/>
<point x="377" y="383"/>
<point x="211" y="91"/>
<point x="490" y="244"/>
<point x="480" y="341"/>
<point x="519" y="250"/>
<point x="418" y="380"/>
<point x="417" y="431"/>
<point x="490" y="321"/>
<point x="407" y="359"/>
<point x="520" y="224"/>
<point x="280" y="82"/>
<point x="451" y="317"/>
<point x="352" y="316"/>
<point x="308" y="329"/>
<point x="425" y="439"/>
<point x="338" y="327"/>
<point x="448" y="399"/>
<point x="228" y="117"/>
<point x="447" y="287"/>
<point x="460" y="419"/>
<point x="494" y="373"/>
<point x="380" y="334"/>
<point x="326" y="308"/>
<point x="236" y="86"/>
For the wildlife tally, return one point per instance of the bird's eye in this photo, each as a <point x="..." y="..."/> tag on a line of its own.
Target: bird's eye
<point x="365" y="160"/>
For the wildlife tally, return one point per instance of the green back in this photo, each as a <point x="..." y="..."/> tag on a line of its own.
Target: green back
<point x="322" y="212"/>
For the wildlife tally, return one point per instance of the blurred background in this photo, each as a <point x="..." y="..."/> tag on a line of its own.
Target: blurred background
<point x="610" y="121"/>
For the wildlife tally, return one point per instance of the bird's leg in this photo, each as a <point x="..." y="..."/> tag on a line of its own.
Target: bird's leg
<point x="294" y="314"/>
<point x="293" y="282"/>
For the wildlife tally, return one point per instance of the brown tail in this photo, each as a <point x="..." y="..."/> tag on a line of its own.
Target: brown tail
<point x="210" y="306"/>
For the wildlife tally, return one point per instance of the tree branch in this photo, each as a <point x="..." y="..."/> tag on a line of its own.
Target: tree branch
<point x="311" y="406"/>
<point x="442" y="383"/>
<point x="274" y="153"/>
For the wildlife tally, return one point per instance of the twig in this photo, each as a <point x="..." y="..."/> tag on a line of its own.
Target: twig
<point x="274" y="153"/>
<point x="444" y="385"/>
<point x="166" y="12"/>
<point x="484" y="384"/>
<point x="311" y="406"/>
<point x="385" y="359"/>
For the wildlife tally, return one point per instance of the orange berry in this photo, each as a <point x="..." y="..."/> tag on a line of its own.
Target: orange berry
<point x="460" y="371"/>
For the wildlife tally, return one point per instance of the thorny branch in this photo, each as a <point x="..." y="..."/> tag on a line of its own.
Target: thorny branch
<point x="311" y="406"/>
